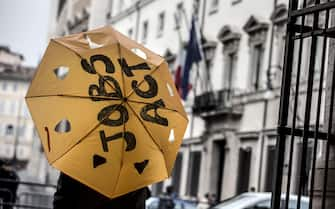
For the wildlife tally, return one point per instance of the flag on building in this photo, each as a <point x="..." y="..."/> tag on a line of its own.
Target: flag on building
<point x="193" y="55"/>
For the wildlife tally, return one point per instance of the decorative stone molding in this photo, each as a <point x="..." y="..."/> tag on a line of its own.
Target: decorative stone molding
<point x="125" y="13"/>
<point x="169" y="56"/>
<point x="279" y="15"/>
<point x="229" y="39"/>
<point x="254" y="25"/>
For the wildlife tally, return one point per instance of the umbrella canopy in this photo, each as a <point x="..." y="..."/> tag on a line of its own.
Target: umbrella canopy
<point x="107" y="111"/>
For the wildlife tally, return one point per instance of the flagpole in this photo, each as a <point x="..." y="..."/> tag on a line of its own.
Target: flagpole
<point x="195" y="94"/>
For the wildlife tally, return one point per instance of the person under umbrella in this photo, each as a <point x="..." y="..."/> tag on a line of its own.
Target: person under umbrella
<point x="71" y="194"/>
<point x="8" y="189"/>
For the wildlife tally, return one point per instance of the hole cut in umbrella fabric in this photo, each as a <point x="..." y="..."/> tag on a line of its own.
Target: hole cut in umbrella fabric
<point x="63" y="126"/>
<point x="61" y="72"/>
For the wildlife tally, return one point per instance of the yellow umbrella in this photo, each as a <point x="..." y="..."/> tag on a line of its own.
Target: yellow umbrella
<point x="107" y="111"/>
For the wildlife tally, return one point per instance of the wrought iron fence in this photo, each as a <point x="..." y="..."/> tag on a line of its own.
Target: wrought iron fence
<point x="28" y="200"/>
<point x="305" y="136"/>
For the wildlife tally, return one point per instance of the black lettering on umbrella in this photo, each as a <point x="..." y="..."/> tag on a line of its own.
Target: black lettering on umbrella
<point x="128" y="69"/>
<point x="100" y="90"/>
<point x="140" y="166"/>
<point x="98" y="160"/>
<point x="106" y="112"/>
<point x="127" y="136"/>
<point x="89" y="67"/>
<point x="157" y="118"/>
<point x="48" y="138"/>
<point x="151" y="92"/>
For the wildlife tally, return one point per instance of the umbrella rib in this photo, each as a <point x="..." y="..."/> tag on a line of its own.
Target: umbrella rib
<point x="74" y="96"/>
<point x="148" y="103"/>
<point x="148" y="132"/>
<point x="99" y="75"/>
<point x="122" y="73"/>
<point x="83" y="137"/>
<point x="57" y="42"/>
<point x="122" y="154"/>
<point x="123" y="119"/>
<point x="141" y="82"/>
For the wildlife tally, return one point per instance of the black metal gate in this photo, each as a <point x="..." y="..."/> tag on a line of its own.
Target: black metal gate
<point x="306" y="107"/>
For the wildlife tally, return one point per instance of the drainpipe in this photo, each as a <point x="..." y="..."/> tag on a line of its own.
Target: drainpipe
<point x="267" y="96"/>
<point x="203" y="17"/>
<point x="268" y="72"/>
<point x="266" y="102"/>
<point x="138" y="15"/>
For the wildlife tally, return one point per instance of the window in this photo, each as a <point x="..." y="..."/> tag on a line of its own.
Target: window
<point x="9" y="130"/>
<point x="230" y="67"/>
<point x="130" y="32"/>
<point x="214" y="6"/>
<point x="256" y="65"/>
<point x="257" y="32"/>
<point x="194" y="173"/>
<point x="178" y="15"/>
<point x="176" y="173"/>
<point x="244" y="164"/>
<point x="161" y="22"/>
<point x="145" y="31"/>
<point x="231" y="42"/>
<point x="270" y="168"/>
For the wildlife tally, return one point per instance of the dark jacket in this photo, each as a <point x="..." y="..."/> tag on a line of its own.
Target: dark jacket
<point x="71" y="194"/>
<point x="8" y="189"/>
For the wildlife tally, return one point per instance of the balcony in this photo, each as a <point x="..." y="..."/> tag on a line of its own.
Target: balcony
<point x="215" y="103"/>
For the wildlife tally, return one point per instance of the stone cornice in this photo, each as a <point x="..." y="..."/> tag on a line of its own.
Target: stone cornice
<point x="125" y="13"/>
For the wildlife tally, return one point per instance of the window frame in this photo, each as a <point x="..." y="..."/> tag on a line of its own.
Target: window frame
<point x="145" y="31"/>
<point x="161" y="24"/>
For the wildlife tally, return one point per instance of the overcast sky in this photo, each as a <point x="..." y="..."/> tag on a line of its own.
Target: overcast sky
<point x="24" y="27"/>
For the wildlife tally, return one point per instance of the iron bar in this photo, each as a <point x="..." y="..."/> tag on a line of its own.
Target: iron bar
<point x="26" y="183"/>
<point x="317" y="125"/>
<point x="284" y="100"/>
<point x="299" y="132"/>
<point x="295" y="105"/>
<point x="330" y="121"/>
<point x="313" y="9"/>
<point x="319" y="33"/>
<point x="330" y="32"/>
<point x="22" y="206"/>
<point x="308" y="107"/>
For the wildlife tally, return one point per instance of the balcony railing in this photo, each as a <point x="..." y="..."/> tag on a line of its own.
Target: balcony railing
<point x="41" y="199"/>
<point x="215" y="102"/>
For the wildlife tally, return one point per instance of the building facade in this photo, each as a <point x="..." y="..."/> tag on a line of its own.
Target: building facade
<point x="17" y="129"/>
<point x="229" y="147"/>
<point x="19" y="142"/>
